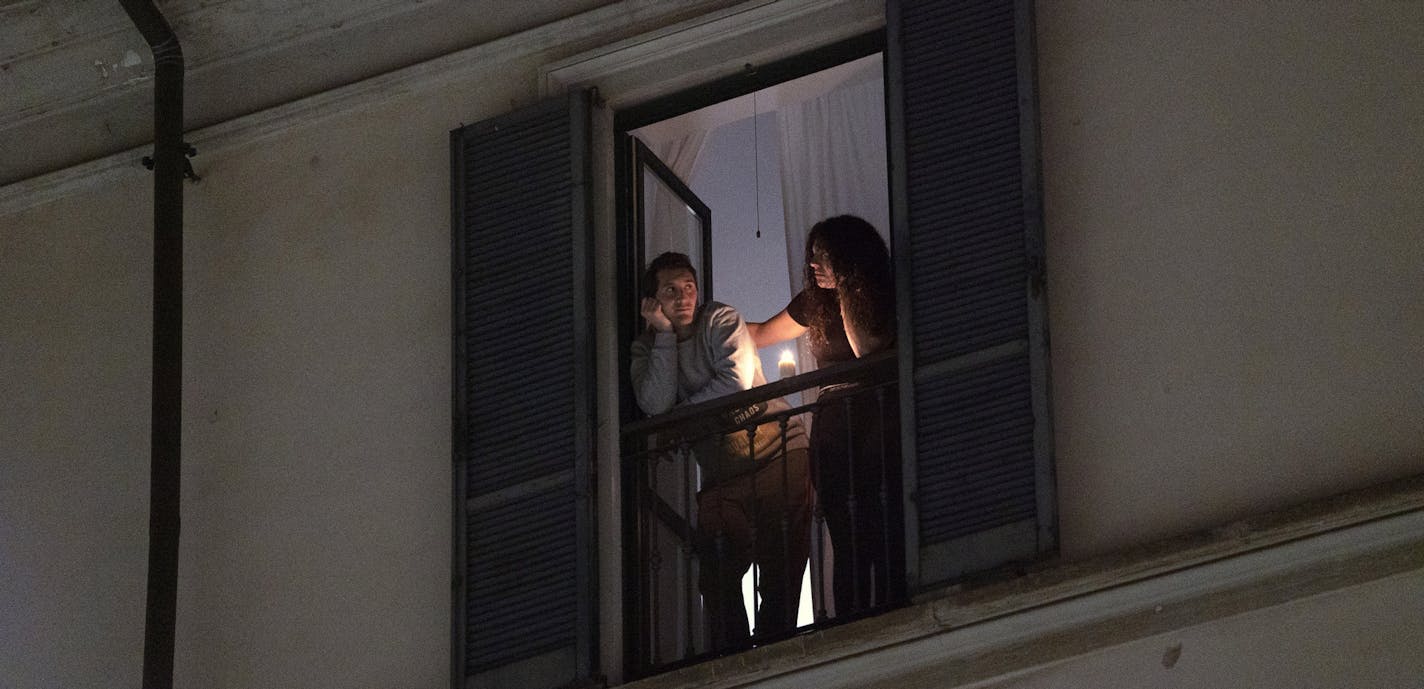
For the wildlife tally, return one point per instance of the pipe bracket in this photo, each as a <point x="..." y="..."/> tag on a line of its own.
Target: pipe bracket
<point x="189" y="151"/>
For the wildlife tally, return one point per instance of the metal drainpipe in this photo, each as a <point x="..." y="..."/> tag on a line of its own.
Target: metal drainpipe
<point x="169" y="163"/>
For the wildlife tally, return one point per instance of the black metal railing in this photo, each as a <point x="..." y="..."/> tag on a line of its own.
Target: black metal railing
<point x="738" y="488"/>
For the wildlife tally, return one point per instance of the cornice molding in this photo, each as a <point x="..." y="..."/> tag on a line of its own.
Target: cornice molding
<point x="419" y="79"/>
<point x="304" y="23"/>
<point x="714" y="45"/>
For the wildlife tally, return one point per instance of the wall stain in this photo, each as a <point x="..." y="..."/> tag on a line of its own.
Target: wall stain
<point x="1171" y="656"/>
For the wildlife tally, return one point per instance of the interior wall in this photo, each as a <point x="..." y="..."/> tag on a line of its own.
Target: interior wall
<point x="749" y="271"/>
<point x="1232" y="210"/>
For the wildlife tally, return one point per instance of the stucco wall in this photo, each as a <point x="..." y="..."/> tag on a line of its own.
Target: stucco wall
<point x="316" y="437"/>
<point x="1362" y="637"/>
<point x="75" y="285"/>
<point x="1232" y="211"/>
<point x="315" y="546"/>
<point x="316" y="542"/>
<point x="1234" y="236"/>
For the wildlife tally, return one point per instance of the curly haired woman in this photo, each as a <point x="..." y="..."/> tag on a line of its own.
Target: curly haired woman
<point x="848" y="307"/>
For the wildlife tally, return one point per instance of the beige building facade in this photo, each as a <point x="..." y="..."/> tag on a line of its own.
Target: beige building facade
<point x="1233" y="225"/>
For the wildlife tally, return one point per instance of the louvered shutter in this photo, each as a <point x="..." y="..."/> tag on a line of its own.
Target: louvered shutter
<point x="524" y="599"/>
<point x="969" y="250"/>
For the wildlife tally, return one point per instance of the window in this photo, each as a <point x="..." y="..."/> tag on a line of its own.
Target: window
<point x="971" y="361"/>
<point x="742" y="182"/>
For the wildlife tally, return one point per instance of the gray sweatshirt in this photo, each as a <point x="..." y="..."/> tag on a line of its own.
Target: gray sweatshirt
<point x="718" y="359"/>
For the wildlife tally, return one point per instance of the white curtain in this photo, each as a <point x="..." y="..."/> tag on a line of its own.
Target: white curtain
<point x="672" y="227"/>
<point x="680" y="153"/>
<point x="833" y="162"/>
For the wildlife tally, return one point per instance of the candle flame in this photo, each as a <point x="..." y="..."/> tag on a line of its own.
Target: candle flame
<point x="786" y="357"/>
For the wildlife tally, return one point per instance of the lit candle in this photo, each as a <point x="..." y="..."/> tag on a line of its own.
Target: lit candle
<point x="787" y="365"/>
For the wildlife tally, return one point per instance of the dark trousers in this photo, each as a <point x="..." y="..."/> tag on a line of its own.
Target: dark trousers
<point x="855" y="454"/>
<point x="761" y="518"/>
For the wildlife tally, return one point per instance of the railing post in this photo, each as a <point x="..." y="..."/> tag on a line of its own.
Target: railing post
<point x="883" y="571"/>
<point x="855" y="564"/>
<point x="756" y="621"/>
<point x="719" y="612"/>
<point x="689" y="588"/>
<point x="654" y="564"/>
<point x="818" y="524"/>
<point x="786" y="568"/>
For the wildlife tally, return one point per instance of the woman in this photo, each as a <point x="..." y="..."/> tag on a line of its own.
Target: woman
<point x="848" y="307"/>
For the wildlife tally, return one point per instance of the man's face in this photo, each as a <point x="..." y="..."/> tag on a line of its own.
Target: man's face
<point x="677" y="295"/>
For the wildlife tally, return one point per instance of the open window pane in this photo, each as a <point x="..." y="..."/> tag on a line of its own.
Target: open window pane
<point x="671" y="217"/>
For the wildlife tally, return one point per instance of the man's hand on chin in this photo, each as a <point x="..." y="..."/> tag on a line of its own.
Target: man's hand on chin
<point x="652" y="312"/>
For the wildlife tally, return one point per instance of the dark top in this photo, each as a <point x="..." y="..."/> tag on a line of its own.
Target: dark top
<point x="836" y="348"/>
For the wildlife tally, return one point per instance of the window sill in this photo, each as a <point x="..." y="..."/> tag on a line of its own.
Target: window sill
<point x="1053" y="611"/>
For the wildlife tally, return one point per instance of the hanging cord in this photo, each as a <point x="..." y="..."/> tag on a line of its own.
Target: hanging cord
<point x="756" y="161"/>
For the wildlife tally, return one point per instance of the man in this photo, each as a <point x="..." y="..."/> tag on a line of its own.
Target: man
<point x="755" y="502"/>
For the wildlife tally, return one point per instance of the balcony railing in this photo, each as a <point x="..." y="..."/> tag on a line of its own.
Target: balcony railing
<point x="707" y="499"/>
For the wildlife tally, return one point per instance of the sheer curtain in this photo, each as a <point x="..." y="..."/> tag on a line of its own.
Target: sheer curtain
<point x="671" y="227"/>
<point x="833" y="162"/>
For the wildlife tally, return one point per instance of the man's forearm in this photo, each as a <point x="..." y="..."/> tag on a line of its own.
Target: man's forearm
<point x="732" y="354"/>
<point x="654" y="373"/>
<point x="724" y="381"/>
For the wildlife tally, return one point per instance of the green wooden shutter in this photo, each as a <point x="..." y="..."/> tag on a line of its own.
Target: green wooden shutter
<point x="524" y="601"/>
<point x="969" y="253"/>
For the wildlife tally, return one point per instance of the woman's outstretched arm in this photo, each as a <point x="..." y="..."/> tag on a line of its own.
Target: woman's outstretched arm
<point x="775" y="329"/>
